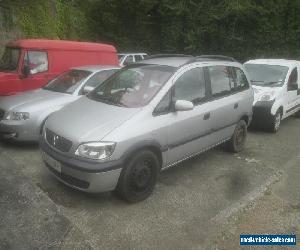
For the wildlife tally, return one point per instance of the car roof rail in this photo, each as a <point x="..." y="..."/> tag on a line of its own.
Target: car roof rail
<point x="212" y="58"/>
<point x="167" y="55"/>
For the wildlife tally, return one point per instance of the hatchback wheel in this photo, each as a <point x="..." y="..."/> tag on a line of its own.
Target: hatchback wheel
<point x="138" y="177"/>
<point x="238" y="139"/>
<point x="276" y="121"/>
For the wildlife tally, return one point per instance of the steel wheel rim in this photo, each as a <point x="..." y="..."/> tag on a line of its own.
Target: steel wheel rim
<point x="277" y="121"/>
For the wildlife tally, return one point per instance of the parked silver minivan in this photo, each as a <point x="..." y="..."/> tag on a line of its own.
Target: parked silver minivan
<point x="146" y="118"/>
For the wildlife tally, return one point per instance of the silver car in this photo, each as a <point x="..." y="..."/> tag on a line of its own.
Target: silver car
<point x="146" y="118"/>
<point x="22" y="116"/>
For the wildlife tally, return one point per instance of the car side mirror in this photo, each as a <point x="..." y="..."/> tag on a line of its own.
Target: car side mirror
<point x="26" y="70"/>
<point x="293" y="86"/>
<point x="182" y="105"/>
<point x="87" y="89"/>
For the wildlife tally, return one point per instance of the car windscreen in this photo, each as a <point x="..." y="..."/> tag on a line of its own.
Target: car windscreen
<point x="120" y="57"/>
<point x="134" y="86"/>
<point x="266" y="75"/>
<point x="10" y="59"/>
<point x="68" y="82"/>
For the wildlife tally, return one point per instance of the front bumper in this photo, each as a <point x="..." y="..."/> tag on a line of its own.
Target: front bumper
<point x="262" y="116"/>
<point x="18" y="131"/>
<point x="85" y="175"/>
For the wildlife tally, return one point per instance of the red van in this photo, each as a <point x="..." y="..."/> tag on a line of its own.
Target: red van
<point x="29" y="64"/>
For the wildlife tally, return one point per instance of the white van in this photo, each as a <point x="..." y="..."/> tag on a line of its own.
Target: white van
<point x="276" y="91"/>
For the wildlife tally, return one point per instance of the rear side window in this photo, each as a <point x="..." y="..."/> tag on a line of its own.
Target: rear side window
<point x="221" y="80"/>
<point x="37" y="61"/>
<point x="190" y="86"/>
<point x="240" y="79"/>
<point x="138" y="58"/>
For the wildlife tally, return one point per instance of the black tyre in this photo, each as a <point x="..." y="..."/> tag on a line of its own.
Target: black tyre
<point x="238" y="139"/>
<point x="276" y="121"/>
<point x="138" y="177"/>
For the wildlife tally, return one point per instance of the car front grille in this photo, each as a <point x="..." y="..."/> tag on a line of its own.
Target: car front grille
<point x="2" y="112"/>
<point x="70" y="179"/>
<point x="58" y="142"/>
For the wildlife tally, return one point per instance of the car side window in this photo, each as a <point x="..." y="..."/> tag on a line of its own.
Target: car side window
<point x="128" y="60"/>
<point x="240" y="79"/>
<point x="37" y="61"/>
<point x="164" y="105"/>
<point x="99" y="77"/>
<point x="138" y="58"/>
<point x="222" y="82"/>
<point x="293" y="77"/>
<point x="190" y="86"/>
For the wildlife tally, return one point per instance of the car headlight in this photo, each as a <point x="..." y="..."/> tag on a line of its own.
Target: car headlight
<point x="96" y="150"/>
<point x="16" y="116"/>
<point x="267" y="97"/>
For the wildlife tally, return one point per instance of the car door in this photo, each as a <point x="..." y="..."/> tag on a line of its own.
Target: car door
<point x="188" y="131"/>
<point x="37" y="66"/>
<point x="224" y="105"/>
<point x="292" y="100"/>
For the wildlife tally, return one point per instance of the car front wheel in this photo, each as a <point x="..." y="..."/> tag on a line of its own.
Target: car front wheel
<point x="276" y="121"/>
<point x="138" y="177"/>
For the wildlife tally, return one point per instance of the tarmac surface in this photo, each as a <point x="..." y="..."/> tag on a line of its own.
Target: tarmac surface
<point x="203" y="203"/>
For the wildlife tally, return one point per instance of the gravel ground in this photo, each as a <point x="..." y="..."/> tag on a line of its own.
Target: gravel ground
<point x="203" y="203"/>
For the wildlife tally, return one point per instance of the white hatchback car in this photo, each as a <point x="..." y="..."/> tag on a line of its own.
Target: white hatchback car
<point x="128" y="58"/>
<point x="276" y="91"/>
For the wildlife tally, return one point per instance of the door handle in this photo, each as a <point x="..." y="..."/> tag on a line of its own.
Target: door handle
<point x="236" y="105"/>
<point x="206" y="116"/>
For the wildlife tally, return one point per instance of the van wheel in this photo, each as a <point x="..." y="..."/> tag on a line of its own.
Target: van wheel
<point x="138" y="177"/>
<point x="276" y="121"/>
<point x="238" y="139"/>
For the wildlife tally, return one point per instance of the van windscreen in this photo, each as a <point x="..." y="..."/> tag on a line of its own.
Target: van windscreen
<point x="266" y="75"/>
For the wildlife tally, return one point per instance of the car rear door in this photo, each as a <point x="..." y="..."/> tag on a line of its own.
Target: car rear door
<point x="189" y="131"/>
<point x="38" y="65"/>
<point x="224" y="105"/>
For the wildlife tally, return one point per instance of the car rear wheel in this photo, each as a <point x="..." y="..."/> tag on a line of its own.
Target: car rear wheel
<point x="238" y="139"/>
<point x="138" y="177"/>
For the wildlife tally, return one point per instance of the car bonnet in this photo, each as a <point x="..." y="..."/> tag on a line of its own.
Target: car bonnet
<point x="86" y="120"/>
